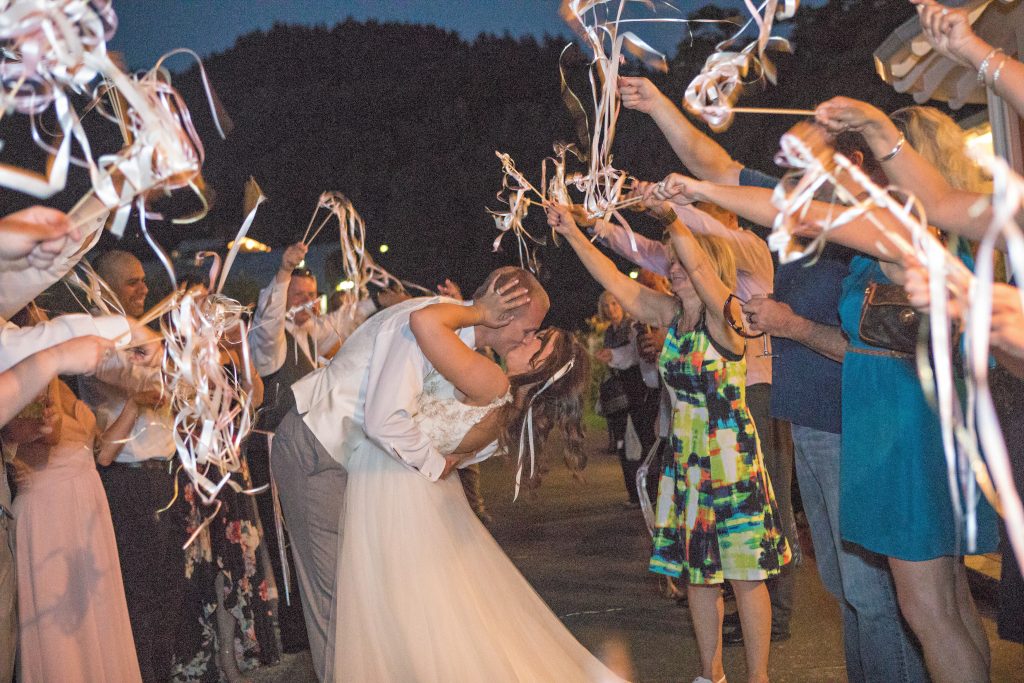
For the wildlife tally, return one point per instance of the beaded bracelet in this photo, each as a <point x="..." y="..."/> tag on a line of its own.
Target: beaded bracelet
<point x="983" y="67"/>
<point x="999" y="70"/>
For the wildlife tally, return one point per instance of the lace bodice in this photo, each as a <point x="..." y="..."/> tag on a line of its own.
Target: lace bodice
<point x="443" y="417"/>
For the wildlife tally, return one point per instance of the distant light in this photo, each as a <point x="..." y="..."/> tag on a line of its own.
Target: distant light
<point x="634" y="274"/>
<point x="302" y="264"/>
<point x="250" y="246"/>
<point x="384" y="248"/>
<point x="345" y="285"/>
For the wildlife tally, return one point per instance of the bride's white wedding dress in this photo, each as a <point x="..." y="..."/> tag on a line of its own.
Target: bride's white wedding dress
<point x="424" y="592"/>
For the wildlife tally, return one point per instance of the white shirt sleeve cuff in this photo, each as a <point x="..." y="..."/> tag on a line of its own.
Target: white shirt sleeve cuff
<point x="115" y="328"/>
<point x="434" y="466"/>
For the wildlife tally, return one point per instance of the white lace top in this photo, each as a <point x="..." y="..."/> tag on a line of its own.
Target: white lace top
<point x="444" y="418"/>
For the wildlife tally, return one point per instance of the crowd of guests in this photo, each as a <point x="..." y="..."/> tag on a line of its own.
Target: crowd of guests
<point x="741" y="369"/>
<point x="868" y="448"/>
<point x="101" y="585"/>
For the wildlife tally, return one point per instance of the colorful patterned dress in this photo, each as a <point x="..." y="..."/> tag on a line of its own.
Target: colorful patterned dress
<point x="716" y="516"/>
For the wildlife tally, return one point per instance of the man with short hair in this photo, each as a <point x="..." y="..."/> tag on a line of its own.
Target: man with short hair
<point x="140" y="482"/>
<point x="369" y="391"/>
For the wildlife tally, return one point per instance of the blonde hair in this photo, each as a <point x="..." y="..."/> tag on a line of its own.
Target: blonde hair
<point x="721" y="256"/>
<point x="718" y="250"/>
<point x="939" y="139"/>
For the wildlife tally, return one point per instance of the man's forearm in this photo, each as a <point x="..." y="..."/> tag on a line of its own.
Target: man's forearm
<point x="704" y="157"/>
<point x="828" y="340"/>
<point x="751" y="203"/>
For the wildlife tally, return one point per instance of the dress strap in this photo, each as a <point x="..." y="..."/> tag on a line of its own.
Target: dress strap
<point x="702" y="327"/>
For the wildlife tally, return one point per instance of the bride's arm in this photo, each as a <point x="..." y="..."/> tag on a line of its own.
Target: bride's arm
<point x="472" y="373"/>
<point x="435" y="326"/>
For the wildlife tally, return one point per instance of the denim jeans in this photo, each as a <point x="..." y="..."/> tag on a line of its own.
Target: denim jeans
<point x="878" y="644"/>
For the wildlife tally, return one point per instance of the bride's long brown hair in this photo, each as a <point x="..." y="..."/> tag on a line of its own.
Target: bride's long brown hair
<point x="559" y="405"/>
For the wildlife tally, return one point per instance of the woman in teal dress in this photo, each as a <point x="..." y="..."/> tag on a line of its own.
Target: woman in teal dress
<point x="717" y="519"/>
<point x="895" y="498"/>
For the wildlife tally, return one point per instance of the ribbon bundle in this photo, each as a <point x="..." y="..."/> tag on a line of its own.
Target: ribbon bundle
<point x="713" y="92"/>
<point x="50" y="49"/>
<point x="357" y="264"/>
<point x="597" y="23"/>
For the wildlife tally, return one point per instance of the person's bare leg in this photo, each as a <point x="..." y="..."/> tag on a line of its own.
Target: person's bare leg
<point x="969" y="614"/>
<point x="927" y="595"/>
<point x="755" y="608"/>
<point x="707" y="609"/>
<point x="226" y="638"/>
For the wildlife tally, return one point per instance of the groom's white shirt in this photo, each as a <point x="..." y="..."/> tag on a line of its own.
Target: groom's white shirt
<point x="376" y="380"/>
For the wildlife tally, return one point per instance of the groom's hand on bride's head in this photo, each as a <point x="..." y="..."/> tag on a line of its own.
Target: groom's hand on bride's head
<point x="451" y="462"/>
<point x="496" y="305"/>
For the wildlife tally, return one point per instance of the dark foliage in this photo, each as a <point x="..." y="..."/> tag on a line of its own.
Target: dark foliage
<point x="405" y="120"/>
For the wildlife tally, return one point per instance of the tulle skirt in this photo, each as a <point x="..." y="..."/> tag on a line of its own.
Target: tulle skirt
<point x="425" y="594"/>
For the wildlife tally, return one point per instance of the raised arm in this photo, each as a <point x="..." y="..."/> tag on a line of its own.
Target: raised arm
<point x="266" y="334"/>
<point x="650" y="254"/>
<point x="53" y="258"/>
<point x="472" y="373"/>
<point x="949" y="31"/>
<point x="709" y="286"/>
<point x="394" y="383"/>
<point x="947" y="208"/>
<point x="704" y="157"/>
<point x="863" y="234"/>
<point x="27" y="379"/>
<point x="639" y="302"/>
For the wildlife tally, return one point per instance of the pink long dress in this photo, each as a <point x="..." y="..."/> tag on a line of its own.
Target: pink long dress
<point x="72" y="615"/>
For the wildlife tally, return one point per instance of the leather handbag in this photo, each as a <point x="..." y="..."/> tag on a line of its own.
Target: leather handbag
<point x="614" y="398"/>
<point x="887" y="320"/>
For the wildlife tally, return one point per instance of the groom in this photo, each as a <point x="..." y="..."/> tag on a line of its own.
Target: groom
<point x="375" y="380"/>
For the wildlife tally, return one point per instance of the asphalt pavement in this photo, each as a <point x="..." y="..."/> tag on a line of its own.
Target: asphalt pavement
<point x="586" y="554"/>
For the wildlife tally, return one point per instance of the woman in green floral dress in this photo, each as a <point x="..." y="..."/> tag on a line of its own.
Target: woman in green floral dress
<point x="716" y="519"/>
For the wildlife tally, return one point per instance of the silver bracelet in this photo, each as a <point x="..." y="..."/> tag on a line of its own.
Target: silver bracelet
<point x="999" y="70"/>
<point x="983" y="67"/>
<point x="895" y="150"/>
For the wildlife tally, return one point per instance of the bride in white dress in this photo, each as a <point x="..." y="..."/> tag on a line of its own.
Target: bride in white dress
<point x="424" y="593"/>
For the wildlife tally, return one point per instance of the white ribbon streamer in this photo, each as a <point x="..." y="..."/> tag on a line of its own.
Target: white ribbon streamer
<point x="526" y="433"/>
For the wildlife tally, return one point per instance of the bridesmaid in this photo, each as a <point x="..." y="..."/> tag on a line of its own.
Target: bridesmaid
<point x="72" y="614"/>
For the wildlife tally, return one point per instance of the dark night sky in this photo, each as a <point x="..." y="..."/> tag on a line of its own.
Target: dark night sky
<point x="149" y="28"/>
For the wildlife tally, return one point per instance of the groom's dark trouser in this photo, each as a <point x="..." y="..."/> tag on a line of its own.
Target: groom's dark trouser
<point x="312" y="489"/>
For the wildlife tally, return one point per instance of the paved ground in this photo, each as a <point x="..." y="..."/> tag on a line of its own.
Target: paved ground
<point x="586" y="555"/>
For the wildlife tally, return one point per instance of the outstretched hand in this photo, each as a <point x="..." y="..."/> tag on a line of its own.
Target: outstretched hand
<point x="841" y="114"/>
<point x="639" y="94"/>
<point x="34" y="237"/>
<point x="561" y="220"/>
<point x="948" y="30"/>
<point x="675" y="188"/>
<point x="658" y="208"/>
<point x="496" y="305"/>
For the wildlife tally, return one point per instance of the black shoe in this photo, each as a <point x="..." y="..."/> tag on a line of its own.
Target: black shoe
<point x="735" y="637"/>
